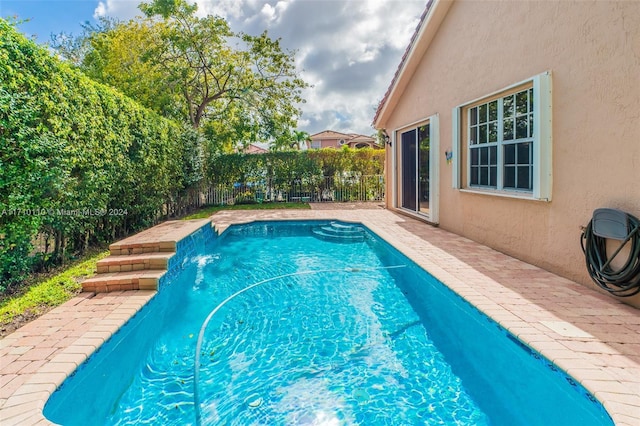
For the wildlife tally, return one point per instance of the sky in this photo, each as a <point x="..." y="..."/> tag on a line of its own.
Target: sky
<point x="348" y="50"/>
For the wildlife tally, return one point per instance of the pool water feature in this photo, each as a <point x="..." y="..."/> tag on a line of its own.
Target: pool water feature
<point x="340" y="332"/>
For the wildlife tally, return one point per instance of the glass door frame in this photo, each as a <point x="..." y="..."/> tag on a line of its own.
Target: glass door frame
<point x="409" y="169"/>
<point x="432" y="214"/>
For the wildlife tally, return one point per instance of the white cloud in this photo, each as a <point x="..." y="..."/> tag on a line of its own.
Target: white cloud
<point x="120" y="9"/>
<point x="281" y="6"/>
<point x="268" y="12"/>
<point x="229" y="9"/>
<point x="101" y="10"/>
<point x="347" y="49"/>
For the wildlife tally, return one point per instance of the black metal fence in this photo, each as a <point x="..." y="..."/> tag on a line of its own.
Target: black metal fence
<point x="327" y="189"/>
<point x="323" y="190"/>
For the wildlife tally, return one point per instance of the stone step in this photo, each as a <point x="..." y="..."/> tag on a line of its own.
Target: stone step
<point x="337" y="225"/>
<point x="120" y="281"/>
<point x="138" y="262"/>
<point x="161" y="238"/>
<point x="118" y="249"/>
<point x="134" y="262"/>
<point x="344" y="238"/>
<point x="346" y="231"/>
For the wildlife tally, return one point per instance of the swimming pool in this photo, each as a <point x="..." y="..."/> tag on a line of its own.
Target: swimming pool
<point x="341" y="331"/>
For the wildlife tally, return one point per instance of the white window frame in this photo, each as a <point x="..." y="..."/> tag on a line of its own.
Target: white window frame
<point x="542" y="142"/>
<point x="315" y="144"/>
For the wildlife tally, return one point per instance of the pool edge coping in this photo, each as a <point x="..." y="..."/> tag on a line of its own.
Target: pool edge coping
<point x="25" y="404"/>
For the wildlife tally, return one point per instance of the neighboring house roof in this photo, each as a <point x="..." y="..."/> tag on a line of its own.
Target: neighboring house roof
<point x="349" y="138"/>
<point x="362" y="138"/>
<point x="330" y="134"/>
<point x="430" y="20"/>
<point x="255" y="149"/>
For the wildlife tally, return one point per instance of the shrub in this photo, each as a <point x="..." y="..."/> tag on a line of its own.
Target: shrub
<point x="285" y="167"/>
<point x="79" y="162"/>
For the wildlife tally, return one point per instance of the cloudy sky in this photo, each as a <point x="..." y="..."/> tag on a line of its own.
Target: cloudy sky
<point x="347" y="49"/>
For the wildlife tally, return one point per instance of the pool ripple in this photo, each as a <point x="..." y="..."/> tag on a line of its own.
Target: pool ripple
<point x="307" y="360"/>
<point x="333" y="347"/>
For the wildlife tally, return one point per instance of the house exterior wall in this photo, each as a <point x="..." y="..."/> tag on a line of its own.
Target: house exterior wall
<point x="361" y="144"/>
<point x="328" y="143"/>
<point x="592" y="50"/>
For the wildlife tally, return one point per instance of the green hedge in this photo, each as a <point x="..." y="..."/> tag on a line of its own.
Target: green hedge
<point x="283" y="167"/>
<point x="79" y="162"/>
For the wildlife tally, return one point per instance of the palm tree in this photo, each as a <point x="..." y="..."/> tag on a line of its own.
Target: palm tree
<point x="299" y="137"/>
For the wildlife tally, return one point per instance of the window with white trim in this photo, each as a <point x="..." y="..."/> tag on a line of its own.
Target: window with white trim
<point x="505" y="141"/>
<point x="500" y="140"/>
<point x="315" y="144"/>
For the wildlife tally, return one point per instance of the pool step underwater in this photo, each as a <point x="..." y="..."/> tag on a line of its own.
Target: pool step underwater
<point x="338" y="232"/>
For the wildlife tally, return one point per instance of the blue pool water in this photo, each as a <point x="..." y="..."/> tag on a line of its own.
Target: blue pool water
<point x="335" y="331"/>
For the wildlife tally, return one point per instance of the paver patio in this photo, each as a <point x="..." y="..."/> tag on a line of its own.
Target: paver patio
<point x="592" y="336"/>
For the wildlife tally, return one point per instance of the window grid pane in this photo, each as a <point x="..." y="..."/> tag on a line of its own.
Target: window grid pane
<point x="474" y="175"/>
<point x="518" y="166"/>
<point x="493" y="132"/>
<point x="507" y="106"/>
<point x="507" y="133"/>
<point x="506" y="122"/>
<point x="482" y="136"/>
<point x="523" y="181"/>
<point x="509" y="177"/>
<point x="482" y="113"/>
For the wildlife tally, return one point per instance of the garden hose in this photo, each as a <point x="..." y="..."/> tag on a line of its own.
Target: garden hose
<point x="623" y="281"/>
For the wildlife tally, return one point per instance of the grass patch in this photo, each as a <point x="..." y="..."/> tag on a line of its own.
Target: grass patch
<point x="208" y="211"/>
<point x="50" y="291"/>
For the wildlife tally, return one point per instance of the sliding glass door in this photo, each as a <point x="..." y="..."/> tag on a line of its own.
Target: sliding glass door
<point x="415" y="169"/>
<point x="409" y="170"/>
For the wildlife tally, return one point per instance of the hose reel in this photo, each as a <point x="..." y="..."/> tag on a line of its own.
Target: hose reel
<point x="613" y="224"/>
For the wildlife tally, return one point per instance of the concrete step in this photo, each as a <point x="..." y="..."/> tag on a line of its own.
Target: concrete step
<point x="342" y="231"/>
<point x="134" y="262"/>
<point x="161" y="238"/>
<point x="142" y="248"/>
<point x="120" y="281"/>
<point x="345" y="226"/>
<point x="138" y="262"/>
<point x="342" y="238"/>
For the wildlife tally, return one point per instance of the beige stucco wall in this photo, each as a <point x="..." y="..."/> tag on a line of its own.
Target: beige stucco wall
<point x="593" y="52"/>
<point x="328" y="143"/>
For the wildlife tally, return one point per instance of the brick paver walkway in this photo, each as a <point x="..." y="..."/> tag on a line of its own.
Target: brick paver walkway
<point x="592" y="336"/>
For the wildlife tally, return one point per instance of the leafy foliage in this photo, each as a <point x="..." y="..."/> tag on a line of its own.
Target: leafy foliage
<point x="237" y="88"/>
<point x="316" y="175"/>
<point x="299" y="138"/>
<point x="79" y="162"/>
<point x="283" y="167"/>
<point x="49" y="292"/>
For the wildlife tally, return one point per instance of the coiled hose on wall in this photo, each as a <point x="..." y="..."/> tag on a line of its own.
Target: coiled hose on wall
<point x="623" y="281"/>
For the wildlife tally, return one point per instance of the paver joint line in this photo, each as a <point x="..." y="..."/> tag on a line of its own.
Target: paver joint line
<point x="590" y="334"/>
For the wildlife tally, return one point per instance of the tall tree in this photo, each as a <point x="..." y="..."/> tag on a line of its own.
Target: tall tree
<point x="299" y="139"/>
<point x="236" y="88"/>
